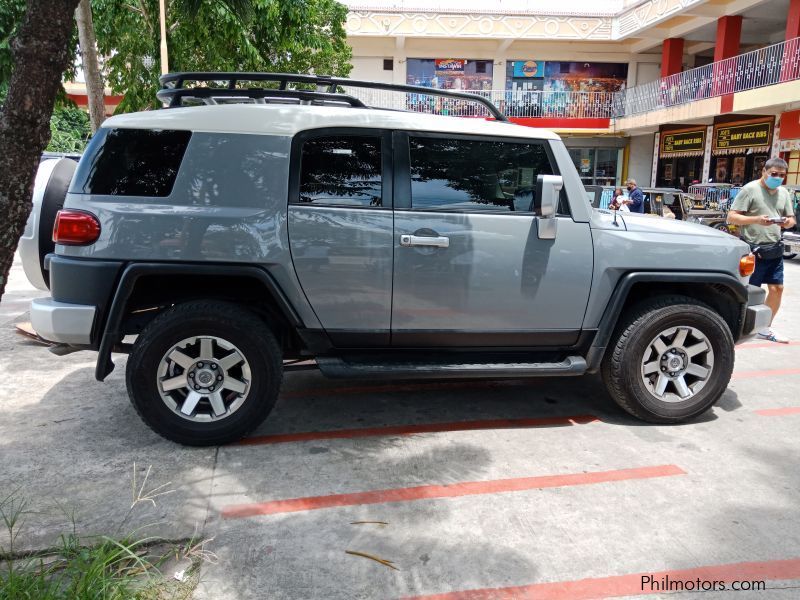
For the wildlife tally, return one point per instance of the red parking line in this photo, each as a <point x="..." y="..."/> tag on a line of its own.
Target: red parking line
<point x="747" y="346"/>
<point x="632" y="585"/>
<point x="779" y="412"/>
<point x="419" y="428"/>
<point x="452" y="490"/>
<point x="770" y="373"/>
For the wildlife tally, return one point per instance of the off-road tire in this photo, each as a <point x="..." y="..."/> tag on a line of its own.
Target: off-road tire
<point x="622" y="363"/>
<point x="227" y="321"/>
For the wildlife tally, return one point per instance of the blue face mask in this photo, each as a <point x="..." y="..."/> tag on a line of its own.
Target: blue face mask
<point x="773" y="182"/>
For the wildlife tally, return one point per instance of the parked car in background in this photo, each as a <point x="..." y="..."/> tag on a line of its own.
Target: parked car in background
<point x="670" y="203"/>
<point x="791" y="237"/>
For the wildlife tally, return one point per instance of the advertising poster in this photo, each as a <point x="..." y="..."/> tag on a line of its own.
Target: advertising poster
<point x="721" y="172"/>
<point x="585" y="77"/>
<point x="449" y="66"/>
<point x="758" y="166"/>
<point x="533" y="69"/>
<point x="737" y="172"/>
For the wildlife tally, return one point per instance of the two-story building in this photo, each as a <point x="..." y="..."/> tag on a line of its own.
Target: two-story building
<point x="665" y="91"/>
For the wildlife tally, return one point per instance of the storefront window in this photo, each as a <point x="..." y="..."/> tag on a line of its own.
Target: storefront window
<point x="450" y="73"/>
<point x="596" y="166"/>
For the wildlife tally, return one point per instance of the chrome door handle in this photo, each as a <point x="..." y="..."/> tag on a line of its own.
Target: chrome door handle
<point x="407" y="241"/>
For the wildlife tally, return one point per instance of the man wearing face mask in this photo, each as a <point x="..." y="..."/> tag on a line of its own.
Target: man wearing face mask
<point x="761" y="209"/>
<point x="635" y="199"/>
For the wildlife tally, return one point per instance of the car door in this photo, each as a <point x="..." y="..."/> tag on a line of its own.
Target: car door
<point x="340" y="231"/>
<point x="469" y="266"/>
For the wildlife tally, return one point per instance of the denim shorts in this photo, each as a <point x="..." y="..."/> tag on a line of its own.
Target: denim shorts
<point x="768" y="271"/>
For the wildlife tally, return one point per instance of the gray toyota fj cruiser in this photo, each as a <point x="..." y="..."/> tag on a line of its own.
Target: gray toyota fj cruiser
<point x="215" y="243"/>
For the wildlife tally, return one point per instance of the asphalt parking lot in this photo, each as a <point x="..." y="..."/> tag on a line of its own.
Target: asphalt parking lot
<point x="504" y="489"/>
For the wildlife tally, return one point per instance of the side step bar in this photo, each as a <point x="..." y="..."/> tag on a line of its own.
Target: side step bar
<point x="338" y="368"/>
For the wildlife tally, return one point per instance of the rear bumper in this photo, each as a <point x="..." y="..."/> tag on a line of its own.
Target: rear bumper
<point x="757" y="315"/>
<point x="791" y="243"/>
<point x="63" y="322"/>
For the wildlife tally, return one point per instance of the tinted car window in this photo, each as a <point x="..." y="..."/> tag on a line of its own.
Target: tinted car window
<point x="131" y="162"/>
<point x="456" y="174"/>
<point x="341" y="171"/>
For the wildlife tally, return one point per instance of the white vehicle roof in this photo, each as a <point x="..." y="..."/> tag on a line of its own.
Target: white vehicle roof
<point x="287" y="120"/>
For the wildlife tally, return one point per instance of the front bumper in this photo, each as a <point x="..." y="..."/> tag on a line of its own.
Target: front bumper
<point x="62" y="322"/>
<point x="757" y="315"/>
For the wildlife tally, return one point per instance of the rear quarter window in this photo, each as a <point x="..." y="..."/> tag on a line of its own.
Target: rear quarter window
<point x="131" y="162"/>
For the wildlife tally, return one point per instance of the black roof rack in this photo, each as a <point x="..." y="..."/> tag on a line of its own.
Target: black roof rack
<point x="173" y="92"/>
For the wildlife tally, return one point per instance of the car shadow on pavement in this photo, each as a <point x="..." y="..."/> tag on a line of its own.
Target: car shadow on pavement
<point x="71" y="456"/>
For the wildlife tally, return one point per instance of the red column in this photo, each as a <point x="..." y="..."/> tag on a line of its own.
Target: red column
<point x="729" y="30"/>
<point x="793" y="20"/>
<point x="672" y="56"/>
<point x="790" y="67"/>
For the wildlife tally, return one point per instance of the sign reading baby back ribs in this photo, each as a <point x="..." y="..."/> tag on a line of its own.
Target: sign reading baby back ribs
<point x="683" y="143"/>
<point x="735" y="138"/>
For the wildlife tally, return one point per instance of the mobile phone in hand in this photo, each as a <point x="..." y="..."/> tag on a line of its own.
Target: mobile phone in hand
<point x="777" y="220"/>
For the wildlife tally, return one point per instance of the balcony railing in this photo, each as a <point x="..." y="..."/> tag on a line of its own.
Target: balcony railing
<point x="768" y="66"/>
<point x="516" y="104"/>
<point x="759" y="68"/>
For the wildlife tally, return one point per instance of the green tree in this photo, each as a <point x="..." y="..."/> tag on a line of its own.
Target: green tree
<point x="11" y="12"/>
<point x="39" y="54"/>
<point x="213" y="35"/>
<point x="70" y="129"/>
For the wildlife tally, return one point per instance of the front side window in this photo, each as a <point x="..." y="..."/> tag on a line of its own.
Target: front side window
<point x="341" y="171"/>
<point x="131" y="162"/>
<point x="458" y="174"/>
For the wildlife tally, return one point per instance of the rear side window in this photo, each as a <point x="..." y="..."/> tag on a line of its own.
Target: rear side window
<point x="341" y="171"/>
<point x="475" y="176"/>
<point x="131" y="162"/>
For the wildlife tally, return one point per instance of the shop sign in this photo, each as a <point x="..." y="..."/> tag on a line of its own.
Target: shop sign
<point x="789" y="145"/>
<point x="742" y="136"/>
<point x="683" y="141"/>
<point x="529" y="68"/>
<point x="450" y="65"/>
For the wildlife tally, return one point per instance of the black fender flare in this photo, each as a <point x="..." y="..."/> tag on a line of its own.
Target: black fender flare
<point x="110" y="330"/>
<point x="608" y="321"/>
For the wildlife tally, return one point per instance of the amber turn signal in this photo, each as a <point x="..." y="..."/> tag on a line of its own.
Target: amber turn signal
<point x="747" y="264"/>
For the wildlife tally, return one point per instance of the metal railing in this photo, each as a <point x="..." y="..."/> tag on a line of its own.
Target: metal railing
<point x="767" y="66"/>
<point x="515" y="104"/>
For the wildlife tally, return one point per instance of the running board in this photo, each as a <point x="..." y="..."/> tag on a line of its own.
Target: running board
<point x="338" y="368"/>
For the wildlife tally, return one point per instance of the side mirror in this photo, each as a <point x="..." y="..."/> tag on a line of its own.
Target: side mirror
<point x="548" y="190"/>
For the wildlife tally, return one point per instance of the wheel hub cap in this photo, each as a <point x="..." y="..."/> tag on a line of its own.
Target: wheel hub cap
<point x="677" y="364"/>
<point x="203" y="378"/>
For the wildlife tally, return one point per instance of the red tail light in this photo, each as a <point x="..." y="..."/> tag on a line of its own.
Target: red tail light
<point x="75" y="228"/>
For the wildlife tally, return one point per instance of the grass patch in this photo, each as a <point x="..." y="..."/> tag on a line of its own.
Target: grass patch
<point x="98" y="567"/>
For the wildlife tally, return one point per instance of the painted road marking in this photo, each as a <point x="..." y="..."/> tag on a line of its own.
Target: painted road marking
<point x="420" y="428"/>
<point x="768" y="373"/>
<point x="765" y="345"/>
<point x="452" y="490"/>
<point x="630" y="585"/>
<point x="779" y="412"/>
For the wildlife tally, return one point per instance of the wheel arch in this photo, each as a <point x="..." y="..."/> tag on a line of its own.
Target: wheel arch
<point x="721" y="291"/>
<point x="145" y="289"/>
